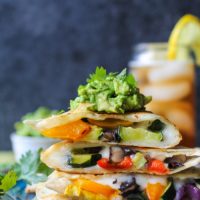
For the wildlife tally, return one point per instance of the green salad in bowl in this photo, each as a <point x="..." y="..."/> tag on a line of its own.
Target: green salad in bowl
<point x="25" y="130"/>
<point x="25" y="138"/>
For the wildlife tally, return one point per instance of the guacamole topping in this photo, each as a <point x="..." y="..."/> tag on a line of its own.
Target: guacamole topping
<point x="111" y="93"/>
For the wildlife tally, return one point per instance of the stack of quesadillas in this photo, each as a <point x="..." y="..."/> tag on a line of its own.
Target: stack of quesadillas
<point x="108" y="153"/>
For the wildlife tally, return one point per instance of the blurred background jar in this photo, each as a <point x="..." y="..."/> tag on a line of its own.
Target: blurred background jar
<point x="171" y="83"/>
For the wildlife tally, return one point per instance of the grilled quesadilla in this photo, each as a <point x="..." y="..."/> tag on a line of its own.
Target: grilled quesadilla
<point x="119" y="186"/>
<point x="110" y="109"/>
<point x="142" y="129"/>
<point x="102" y="159"/>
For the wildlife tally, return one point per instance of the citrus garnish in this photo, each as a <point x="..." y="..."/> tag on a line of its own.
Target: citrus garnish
<point x="184" y="41"/>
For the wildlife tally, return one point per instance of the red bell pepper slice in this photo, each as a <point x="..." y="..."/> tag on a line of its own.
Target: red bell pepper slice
<point x="126" y="163"/>
<point x="157" y="166"/>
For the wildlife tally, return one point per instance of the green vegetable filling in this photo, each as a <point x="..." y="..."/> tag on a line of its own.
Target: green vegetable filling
<point x="139" y="134"/>
<point x="152" y="132"/>
<point x="87" y="150"/>
<point x="156" y="126"/>
<point x="94" y="134"/>
<point x="139" y="160"/>
<point x="111" y="93"/>
<point x="83" y="160"/>
<point x="169" y="192"/>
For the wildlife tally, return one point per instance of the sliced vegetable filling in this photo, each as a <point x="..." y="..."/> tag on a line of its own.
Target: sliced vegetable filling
<point x="120" y="131"/>
<point x="87" y="189"/>
<point x="123" y="157"/>
<point x="73" y="131"/>
<point x="87" y="160"/>
<point x="131" y="186"/>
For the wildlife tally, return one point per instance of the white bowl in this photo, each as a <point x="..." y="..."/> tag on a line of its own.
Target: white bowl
<point x="22" y="144"/>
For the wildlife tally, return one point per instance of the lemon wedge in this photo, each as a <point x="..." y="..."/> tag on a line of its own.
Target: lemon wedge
<point x="185" y="39"/>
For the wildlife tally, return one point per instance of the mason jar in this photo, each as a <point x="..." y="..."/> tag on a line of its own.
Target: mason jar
<point x="170" y="83"/>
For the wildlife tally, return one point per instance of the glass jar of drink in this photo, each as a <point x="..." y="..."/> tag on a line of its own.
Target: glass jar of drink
<point x="170" y="83"/>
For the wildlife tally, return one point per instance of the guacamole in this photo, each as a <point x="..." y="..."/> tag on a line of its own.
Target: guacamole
<point x="25" y="130"/>
<point x="111" y="93"/>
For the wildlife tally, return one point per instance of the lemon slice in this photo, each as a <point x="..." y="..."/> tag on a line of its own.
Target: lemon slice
<point x="184" y="39"/>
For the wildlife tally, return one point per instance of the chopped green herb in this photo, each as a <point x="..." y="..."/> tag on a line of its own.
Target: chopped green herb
<point x="100" y="74"/>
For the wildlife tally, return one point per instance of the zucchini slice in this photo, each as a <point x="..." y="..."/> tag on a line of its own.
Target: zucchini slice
<point x="83" y="160"/>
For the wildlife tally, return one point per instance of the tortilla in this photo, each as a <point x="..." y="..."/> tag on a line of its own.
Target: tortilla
<point x="54" y="187"/>
<point x="57" y="157"/>
<point x="171" y="136"/>
<point x="190" y="173"/>
<point x="57" y="182"/>
<point x="45" y="193"/>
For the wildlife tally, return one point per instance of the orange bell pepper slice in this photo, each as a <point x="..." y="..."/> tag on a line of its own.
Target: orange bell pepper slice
<point x="154" y="191"/>
<point x="94" y="187"/>
<point x="157" y="166"/>
<point x="72" y="131"/>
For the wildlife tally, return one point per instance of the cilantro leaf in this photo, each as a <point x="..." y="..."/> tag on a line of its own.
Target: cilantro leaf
<point x="131" y="81"/>
<point x="8" y="181"/>
<point x="122" y="75"/>
<point x="31" y="169"/>
<point x="127" y="77"/>
<point x="100" y="74"/>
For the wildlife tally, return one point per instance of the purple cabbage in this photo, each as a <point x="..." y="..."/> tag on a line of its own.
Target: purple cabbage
<point x="188" y="192"/>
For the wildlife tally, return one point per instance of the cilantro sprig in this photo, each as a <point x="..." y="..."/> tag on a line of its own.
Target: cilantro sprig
<point x="29" y="168"/>
<point x="100" y="74"/>
<point x="7" y="181"/>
